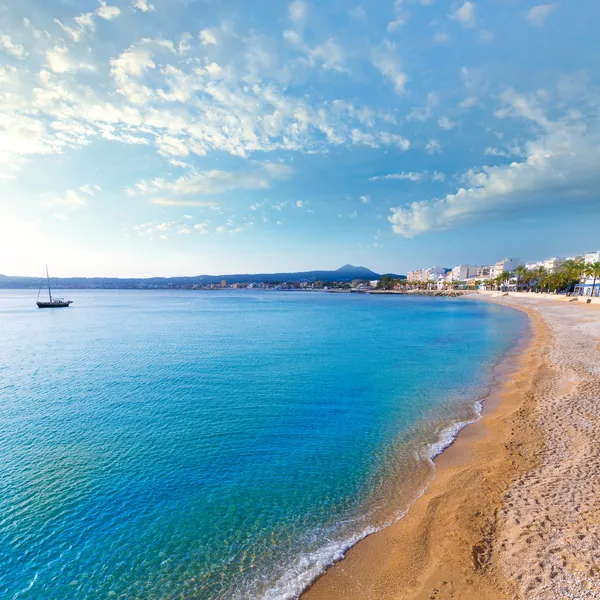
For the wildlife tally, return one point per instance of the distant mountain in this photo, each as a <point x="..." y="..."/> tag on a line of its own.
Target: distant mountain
<point x="345" y="273"/>
<point x="357" y="272"/>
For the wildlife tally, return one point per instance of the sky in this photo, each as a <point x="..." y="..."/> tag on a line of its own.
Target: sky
<point x="184" y="137"/>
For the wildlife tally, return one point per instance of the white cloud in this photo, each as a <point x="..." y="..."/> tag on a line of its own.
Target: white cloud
<point x="441" y="37"/>
<point x="183" y="108"/>
<point x="438" y="177"/>
<point x="59" y="60"/>
<point x="299" y="204"/>
<point x="61" y="216"/>
<point x="468" y="102"/>
<point x="330" y="55"/>
<point x="297" y="11"/>
<point x="143" y="5"/>
<point x="8" y="46"/>
<point x="433" y="147"/>
<point x="214" y="182"/>
<point x="406" y="176"/>
<point x="388" y="64"/>
<point x="70" y="198"/>
<point x="207" y="37"/>
<point x="465" y="14"/>
<point x="133" y="62"/>
<point x="446" y="124"/>
<point x="107" y="12"/>
<point x="401" y="16"/>
<point x="175" y="202"/>
<point x="560" y="166"/>
<point x="202" y="228"/>
<point x="221" y="229"/>
<point x="486" y="36"/>
<point x="423" y="113"/>
<point x="365" y="199"/>
<point x="538" y="14"/>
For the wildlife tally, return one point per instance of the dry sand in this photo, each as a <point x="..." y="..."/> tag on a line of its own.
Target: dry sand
<point x="514" y="509"/>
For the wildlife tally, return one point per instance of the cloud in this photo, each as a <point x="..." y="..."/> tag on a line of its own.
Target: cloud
<point x="143" y="5"/>
<point x="559" y="166"/>
<point x="365" y="199"/>
<point x="133" y="62"/>
<point x="297" y="11"/>
<point x="446" y="124"/>
<point x="207" y="37"/>
<point x="8" y="46"/>
<point x="433" y="147"/>
<point x="401" y="16"/>
<point x="486" y="36"/>
<point x="70" y="198"/>
<point x="59" y="60"/>
<point x="85" y="22"/>
<point x="202" y="228"/>
<point x="61" y="216"/>
<point x="388" y="64"/>
<point x="213" y="182"/>
<point x="423" y="113"/>
<point x="329" y="54"/>
<point x="465" y="15"/>
<point x="183" y="108"/>
<point x="299" y="204"/>
<point x="441" y="37"/>
<point x="171" y="202"/>
<point x="107" y="12"/>
<point x="409" y="176"/>
<point x="538" y="14"/>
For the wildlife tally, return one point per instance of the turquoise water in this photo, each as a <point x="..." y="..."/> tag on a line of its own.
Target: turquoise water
<point x="199" y="445"/>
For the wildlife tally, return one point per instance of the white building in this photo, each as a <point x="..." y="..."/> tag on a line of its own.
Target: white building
<point x="414" y="275"/>
<point x="591" y="257"/>
<point x="552" y="265"/>
<point x="432" y="273"/>
<point x="505" y="265"/>
<point x="462" y="272"/>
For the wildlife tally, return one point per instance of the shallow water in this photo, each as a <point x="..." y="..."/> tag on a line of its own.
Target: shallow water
<point x="227" y="444"/>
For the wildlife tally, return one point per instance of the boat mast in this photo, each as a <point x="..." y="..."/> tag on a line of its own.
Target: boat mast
<point x="48" y="277"/>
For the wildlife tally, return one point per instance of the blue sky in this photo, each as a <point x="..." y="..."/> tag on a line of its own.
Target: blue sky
<point x="172" y="137"/>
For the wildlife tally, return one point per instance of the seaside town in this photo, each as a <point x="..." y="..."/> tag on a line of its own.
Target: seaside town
<point x="578" y="275"/>
<point x="574" y="275"/>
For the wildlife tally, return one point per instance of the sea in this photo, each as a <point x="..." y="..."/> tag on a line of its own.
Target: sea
<point x="228" y="444"/>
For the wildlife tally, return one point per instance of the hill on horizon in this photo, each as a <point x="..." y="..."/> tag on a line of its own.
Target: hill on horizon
<point x="345" y="273"/>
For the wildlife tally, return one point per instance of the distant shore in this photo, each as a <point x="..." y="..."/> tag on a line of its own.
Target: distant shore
<point x="512" y="511"/>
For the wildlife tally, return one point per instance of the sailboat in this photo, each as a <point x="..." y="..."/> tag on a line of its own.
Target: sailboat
<point x="51" y="302"/>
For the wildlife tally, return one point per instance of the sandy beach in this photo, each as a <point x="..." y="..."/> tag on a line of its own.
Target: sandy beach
<point x="514" y="509"/>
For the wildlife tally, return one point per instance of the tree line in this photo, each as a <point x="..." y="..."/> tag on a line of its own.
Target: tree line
<point x="539" y="279"/>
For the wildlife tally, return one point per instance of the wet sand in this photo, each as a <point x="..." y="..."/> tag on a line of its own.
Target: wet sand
<point x="514" y="509"/>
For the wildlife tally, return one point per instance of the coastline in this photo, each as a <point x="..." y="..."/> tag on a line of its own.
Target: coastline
<point x="453" y="541"/>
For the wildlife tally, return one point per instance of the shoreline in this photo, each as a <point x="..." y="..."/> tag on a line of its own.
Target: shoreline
<point x="447" y="544"/>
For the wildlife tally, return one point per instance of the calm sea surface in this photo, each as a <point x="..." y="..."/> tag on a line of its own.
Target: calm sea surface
<point x="199" y="445"/>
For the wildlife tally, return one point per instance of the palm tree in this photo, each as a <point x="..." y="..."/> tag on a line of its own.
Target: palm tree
<point x="521" y="274"/>
<point x="572" y="270"/>
<point x="505" y="277"/>
<point x="593" y="270"/>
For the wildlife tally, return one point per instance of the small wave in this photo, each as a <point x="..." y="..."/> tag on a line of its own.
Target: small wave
<point x="311" y="565"/>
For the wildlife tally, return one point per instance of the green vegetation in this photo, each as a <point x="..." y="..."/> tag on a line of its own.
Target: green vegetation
<point x="388" y="282"/>
<point x="565" y="278"/>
